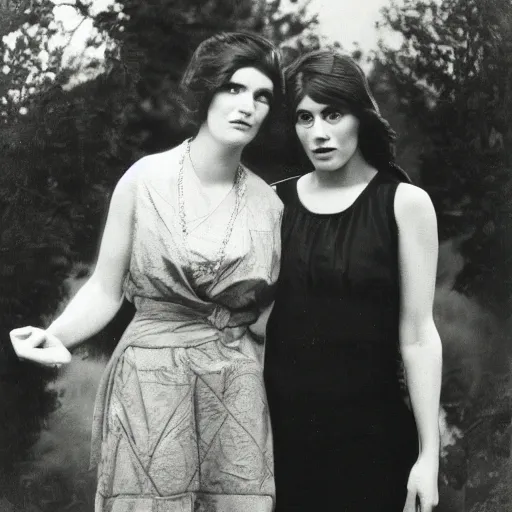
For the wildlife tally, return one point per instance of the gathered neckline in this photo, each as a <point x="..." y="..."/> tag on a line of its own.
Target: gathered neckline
<point x="345" y="210"/>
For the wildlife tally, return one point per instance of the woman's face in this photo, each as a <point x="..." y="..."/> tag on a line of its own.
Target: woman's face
<point x="329" y="135"/>
<point x="239" y="108"/>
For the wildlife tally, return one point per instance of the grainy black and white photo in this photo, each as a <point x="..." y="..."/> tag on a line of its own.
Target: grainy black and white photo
<point x="255" y="256"/>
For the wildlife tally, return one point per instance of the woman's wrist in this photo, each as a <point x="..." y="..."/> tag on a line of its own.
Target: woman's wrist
<point x="53" y="330"/>
<point x="429" y="454"/>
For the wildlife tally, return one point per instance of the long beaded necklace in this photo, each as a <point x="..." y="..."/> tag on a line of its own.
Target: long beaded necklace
<point x="212" y="266"/>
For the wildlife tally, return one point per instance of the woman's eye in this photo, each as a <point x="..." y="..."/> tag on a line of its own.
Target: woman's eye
<point x="233" y="88"/>
<point x="263" y="98"/>
<point x="304" y="119"/>
<point x="333" y="116"/>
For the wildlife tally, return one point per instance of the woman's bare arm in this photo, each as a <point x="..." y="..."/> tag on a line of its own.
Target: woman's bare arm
<point x="99" y="299"/>
<point x="419" y="340"/>
<point x="96" y="303"/>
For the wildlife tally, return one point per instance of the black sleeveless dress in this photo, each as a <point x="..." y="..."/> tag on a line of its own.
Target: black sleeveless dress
<point x="344" y="438"/>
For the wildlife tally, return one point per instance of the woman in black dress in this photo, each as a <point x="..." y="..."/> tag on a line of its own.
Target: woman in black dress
<point x="354" y="301"/>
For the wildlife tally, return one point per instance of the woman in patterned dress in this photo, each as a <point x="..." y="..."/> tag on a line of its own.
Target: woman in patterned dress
<point x="192" y="238"/>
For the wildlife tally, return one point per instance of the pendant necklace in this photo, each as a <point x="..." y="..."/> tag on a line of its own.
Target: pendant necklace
<point x="212" y="266"/>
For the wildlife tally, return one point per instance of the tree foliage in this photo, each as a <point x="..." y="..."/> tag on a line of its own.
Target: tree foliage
<point x="30" y="63"/>
<point x="453" y="74"/>
<point x="33" y="248"/>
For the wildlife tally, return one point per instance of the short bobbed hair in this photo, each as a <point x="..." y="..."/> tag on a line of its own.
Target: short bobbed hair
<point x="215" y="61"/>
<point x="331" y="78"/>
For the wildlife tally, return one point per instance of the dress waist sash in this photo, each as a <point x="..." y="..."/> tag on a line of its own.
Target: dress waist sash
<point x="164" y="324"/>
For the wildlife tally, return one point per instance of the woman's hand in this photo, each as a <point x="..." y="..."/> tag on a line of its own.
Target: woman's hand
<point x="422" y="491"/>
<point x="39" y="346"/>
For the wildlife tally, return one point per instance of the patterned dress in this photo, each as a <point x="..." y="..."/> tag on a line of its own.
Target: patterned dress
<point x="181" y="419"/>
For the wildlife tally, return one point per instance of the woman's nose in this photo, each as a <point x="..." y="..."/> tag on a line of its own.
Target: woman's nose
<point x="318" y="130"/>
<point x="246" y="104"/>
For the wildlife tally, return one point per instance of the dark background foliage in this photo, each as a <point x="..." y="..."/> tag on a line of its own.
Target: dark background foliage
<point x="65" y="141"/>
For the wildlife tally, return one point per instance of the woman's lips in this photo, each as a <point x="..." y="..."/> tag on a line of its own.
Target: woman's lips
<point x="241" y="124"/>
<point x="322" y="151"/>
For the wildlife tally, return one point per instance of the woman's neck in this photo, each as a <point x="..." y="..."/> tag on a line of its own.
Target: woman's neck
<point x="356" y="171"/>
<point x="213" y="162"/>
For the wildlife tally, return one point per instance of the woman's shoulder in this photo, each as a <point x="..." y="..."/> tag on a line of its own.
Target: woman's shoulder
<point x="154" y="167"/>
<point x="413" y="204"/>
<point x="385" y="185"/>
<point x="410" y="195"/>
<point x="260" y="190"/>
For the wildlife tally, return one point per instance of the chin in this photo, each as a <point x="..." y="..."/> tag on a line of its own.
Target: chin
<point x="235" y="139"/>
<point x="328" y="166"/>
<point x="335" y="164"/>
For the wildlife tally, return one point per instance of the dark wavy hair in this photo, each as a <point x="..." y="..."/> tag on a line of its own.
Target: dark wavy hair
<point x="331" y="78"/>
<point x="215" y="61"/>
